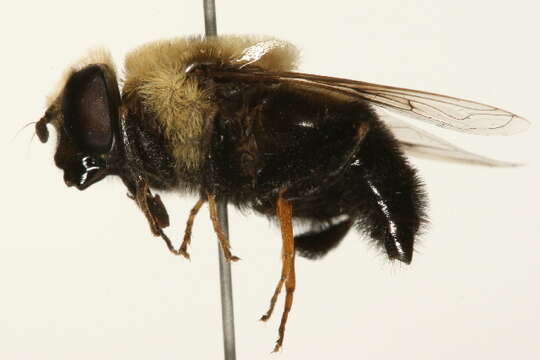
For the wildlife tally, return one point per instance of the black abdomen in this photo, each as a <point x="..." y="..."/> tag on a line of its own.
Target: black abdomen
<point x="379" y="191"/>
<point x="329" y="155"/>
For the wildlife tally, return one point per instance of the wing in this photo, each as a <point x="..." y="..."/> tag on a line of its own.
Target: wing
<point x="444" y="111"/>
<point x="417" y="142"/>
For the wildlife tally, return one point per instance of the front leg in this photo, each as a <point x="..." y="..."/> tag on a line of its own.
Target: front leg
<point x="138" y="187"/>
<point x="154" y="211"/>
<point x="288" y="277"/>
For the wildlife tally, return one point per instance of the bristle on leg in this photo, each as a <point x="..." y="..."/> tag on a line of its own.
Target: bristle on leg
<point x="224" y="242"/>
<point x="189" y="227"/>
<point x="288" y="278"/>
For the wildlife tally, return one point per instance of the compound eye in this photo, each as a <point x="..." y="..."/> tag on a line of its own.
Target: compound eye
<point x="89" y="110"/>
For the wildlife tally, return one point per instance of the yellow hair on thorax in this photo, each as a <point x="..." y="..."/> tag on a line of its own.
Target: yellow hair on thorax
<point x="156" y="73"/>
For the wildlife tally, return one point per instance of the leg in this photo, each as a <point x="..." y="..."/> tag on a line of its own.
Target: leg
<point x="155" y="212"/>
<point x="318" y="242"/>
<point x="284" y="214"/>
<point x="189" y="227"/>
<point x="284" y="210"/>
<point x="225" y="246"/>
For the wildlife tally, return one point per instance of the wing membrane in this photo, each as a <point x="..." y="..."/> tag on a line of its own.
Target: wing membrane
<point x="444" y="111"/>
<point x="420" y="143"/>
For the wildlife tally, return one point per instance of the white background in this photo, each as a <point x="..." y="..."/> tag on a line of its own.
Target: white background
<point x="82" y="278"/>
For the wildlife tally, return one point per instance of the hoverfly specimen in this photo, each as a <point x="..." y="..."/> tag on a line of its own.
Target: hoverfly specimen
<point x="227" y="118"/>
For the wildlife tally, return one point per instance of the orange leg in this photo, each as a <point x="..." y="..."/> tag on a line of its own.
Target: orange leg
<point x="224" y="242"/>
<point x="189" y="226"/>
<point x="288" y="278"/>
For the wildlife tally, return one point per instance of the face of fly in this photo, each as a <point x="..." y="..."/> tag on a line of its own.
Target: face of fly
<point x="85" y="116"/>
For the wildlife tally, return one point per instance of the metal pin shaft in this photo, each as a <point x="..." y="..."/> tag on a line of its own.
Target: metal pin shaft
<point x="227" y="312"/>
<point x="210" y="26"/>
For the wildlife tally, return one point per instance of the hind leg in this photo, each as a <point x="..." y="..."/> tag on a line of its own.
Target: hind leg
<point x="318" y="242"/>
<point x="288" y="277"/>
